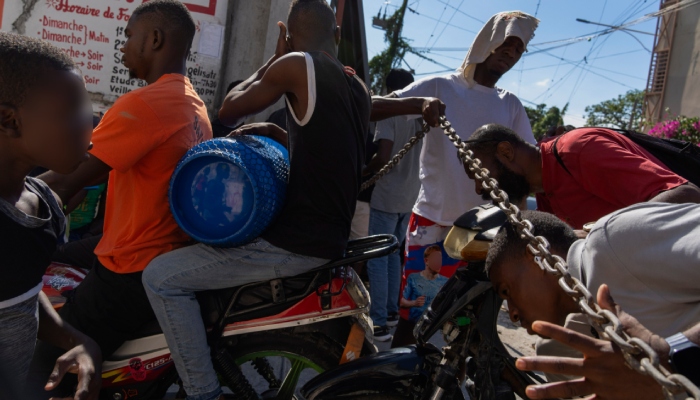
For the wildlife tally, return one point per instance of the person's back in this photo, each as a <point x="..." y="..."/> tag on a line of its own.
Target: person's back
<point x="327" y="152"/>
<point x="597" y="171"/>
<point x="142" y="137"/>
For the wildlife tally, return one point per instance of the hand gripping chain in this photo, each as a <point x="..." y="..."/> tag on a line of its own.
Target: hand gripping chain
<point x="638" y="355"/>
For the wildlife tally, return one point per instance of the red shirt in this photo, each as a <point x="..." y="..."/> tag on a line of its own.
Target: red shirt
<point x="608" y="172"/>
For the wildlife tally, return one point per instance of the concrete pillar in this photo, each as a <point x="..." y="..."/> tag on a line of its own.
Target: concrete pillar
<point x="251" y="38"/>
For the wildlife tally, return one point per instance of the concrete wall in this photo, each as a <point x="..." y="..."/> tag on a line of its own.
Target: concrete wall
<point x="682" y="95"/>
<point x="251" y="38"/>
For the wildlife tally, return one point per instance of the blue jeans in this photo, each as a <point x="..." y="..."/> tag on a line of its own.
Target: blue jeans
<point x="19" y="325"/>
<point x="172" y="279"/>
<point x="385" y="272"/>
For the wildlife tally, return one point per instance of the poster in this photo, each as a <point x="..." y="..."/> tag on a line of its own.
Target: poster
<point x="92" y="32"/>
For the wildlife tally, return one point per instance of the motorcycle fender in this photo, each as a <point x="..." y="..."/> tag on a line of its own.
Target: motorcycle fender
<point x="388" y="373"/>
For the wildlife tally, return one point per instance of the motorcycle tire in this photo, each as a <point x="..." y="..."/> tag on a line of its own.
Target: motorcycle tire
<point x="304" y="350"/>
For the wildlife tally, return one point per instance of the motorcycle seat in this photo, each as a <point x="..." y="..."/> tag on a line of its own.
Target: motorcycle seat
<point x="262" y="299"/>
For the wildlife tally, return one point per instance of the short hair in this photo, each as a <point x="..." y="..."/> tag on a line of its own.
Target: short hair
<point x="171" y="15"/>
<point x="430" y="250"/>
<point x="486" y="139"/>
<point x="509" y="245"/>
<point x="398" y="78"/>
<point x="318" y="18"/>
<point x="24" y="61"/>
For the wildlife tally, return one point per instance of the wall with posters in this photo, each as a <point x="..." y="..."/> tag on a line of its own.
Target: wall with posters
<point x="92" y="32"/>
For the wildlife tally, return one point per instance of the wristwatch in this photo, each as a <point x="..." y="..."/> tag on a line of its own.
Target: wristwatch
<point x="685" y="357"/>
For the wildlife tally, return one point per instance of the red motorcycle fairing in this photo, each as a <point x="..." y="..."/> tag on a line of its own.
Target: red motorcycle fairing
<point x="60" y="278"/>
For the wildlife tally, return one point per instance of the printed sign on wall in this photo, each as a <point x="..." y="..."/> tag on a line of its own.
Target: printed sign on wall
<point x="92" y="32"/>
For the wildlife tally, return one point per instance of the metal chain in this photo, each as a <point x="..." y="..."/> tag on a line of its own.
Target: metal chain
<point x="638" y="355"/>
<point x="395" y="160"/>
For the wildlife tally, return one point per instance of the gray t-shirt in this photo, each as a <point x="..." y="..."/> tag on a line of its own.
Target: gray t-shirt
<point x="649" y="256"/>
<point x="396" y="192"/>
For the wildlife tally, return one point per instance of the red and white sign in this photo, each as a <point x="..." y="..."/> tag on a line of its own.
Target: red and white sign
<point x="92" y="32"/>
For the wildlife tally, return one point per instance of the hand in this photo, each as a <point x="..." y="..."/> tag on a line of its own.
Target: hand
<point x="84" y="360"/>
<point x="256" y="128"/>
<point x="432" y="109"/>
<point x="419" y="302"/>
<point x="603" y="369"/>
<point x="282" y="45"/>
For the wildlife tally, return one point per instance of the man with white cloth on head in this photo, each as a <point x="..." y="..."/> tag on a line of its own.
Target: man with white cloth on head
<point x="472" y="100"/>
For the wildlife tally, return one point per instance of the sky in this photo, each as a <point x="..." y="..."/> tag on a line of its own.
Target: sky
<point x="580" y="74"/>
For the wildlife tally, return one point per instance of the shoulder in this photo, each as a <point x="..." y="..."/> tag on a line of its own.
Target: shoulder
<point x="589" y="139"/>
<point x="428" y="86"/>
<point x="47" y="195"/>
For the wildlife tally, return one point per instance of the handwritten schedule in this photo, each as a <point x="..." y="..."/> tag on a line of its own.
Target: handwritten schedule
<point x="92" y="33"/>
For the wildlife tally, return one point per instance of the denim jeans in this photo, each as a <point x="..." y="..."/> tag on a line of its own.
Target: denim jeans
<point x="19" y="324"/>
<point x="385" y="272"/>
<point x="172" y="279"/>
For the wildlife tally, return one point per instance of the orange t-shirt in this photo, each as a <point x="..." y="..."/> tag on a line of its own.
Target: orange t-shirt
<point x="143" y="137"/>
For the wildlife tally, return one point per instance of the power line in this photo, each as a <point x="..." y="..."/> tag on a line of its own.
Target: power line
<point x="462" y="12"/>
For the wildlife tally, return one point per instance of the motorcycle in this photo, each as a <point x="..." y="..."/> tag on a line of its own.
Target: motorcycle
<point x="465" y="312"/>
<point x="315" y="321"/>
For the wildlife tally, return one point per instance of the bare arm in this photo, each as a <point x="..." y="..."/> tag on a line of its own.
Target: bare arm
<point x="381" y="158"/>
<point x="82" y="358"/>
<point x="282" y="74"/>
<point x="391" y="106"/>
<point x="687" y="193"/>
<point x="267" y="129"/>
<point x="88" y="173"/>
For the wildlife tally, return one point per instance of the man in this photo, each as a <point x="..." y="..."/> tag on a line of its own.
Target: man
<point x="329" y="109"/>
<point x="472" y="100"/>
<point x="646" y="254"/>
<point x="390" y="207"/>
<point x="138" y="142"/>
<point x="605" y="171"/>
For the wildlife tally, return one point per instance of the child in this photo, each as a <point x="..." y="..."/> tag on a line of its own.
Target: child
<point x="421" y="288"/>
<point x="45" y="120"/>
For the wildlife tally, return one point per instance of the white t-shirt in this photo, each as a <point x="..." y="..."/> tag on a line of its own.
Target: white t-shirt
<point x="446" y="191"/>
<point x="649" y="256"/>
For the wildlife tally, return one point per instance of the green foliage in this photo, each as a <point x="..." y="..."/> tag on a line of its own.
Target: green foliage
<point x="543" y="118"/>
<point x="618" y="112"/>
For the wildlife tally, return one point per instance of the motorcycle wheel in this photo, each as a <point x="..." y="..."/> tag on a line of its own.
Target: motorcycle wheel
<point x="278" y="363"/>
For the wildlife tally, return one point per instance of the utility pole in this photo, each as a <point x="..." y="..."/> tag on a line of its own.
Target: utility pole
<point x="382" y="63"/>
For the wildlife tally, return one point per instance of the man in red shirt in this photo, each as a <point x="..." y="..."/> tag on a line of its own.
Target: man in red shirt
<point x="606" y="172"/>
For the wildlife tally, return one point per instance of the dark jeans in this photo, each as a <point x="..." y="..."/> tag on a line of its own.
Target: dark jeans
<point x="80" y="253"/>
<point x="404" y="334"/>
<point x="106" y="306"/>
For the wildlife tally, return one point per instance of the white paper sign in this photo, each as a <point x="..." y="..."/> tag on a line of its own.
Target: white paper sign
<point x="92" y="32"/>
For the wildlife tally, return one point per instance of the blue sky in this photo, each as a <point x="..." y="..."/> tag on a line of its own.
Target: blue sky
<point x="592" y="71"/>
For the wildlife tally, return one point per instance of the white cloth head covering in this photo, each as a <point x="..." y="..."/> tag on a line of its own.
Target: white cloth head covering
<point x="493" y="34"/>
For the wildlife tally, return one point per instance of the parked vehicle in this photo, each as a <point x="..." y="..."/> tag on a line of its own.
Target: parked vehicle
<point x="465" y="312"/>
<point x="315" y="321"/>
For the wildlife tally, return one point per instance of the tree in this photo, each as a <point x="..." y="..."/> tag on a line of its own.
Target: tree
<point x="542" y="119"/>
<point x="624" y="112"/>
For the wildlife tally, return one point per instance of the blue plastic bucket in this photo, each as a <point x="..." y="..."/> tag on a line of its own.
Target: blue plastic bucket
<point x="226" y="191"/>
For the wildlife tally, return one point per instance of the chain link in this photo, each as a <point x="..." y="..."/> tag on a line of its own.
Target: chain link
<point x="395" y="160"/>
<point x="639" y="356"/>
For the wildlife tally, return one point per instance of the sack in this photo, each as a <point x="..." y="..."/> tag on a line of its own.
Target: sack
<point x="681" y="157"/>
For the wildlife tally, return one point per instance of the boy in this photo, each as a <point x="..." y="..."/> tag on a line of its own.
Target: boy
<point x="45" y="121"/>
<point x="421" y="288"/>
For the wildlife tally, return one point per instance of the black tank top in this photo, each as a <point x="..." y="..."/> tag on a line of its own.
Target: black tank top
<point x="326" y="156"/>
<point x="26" y="242"/>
